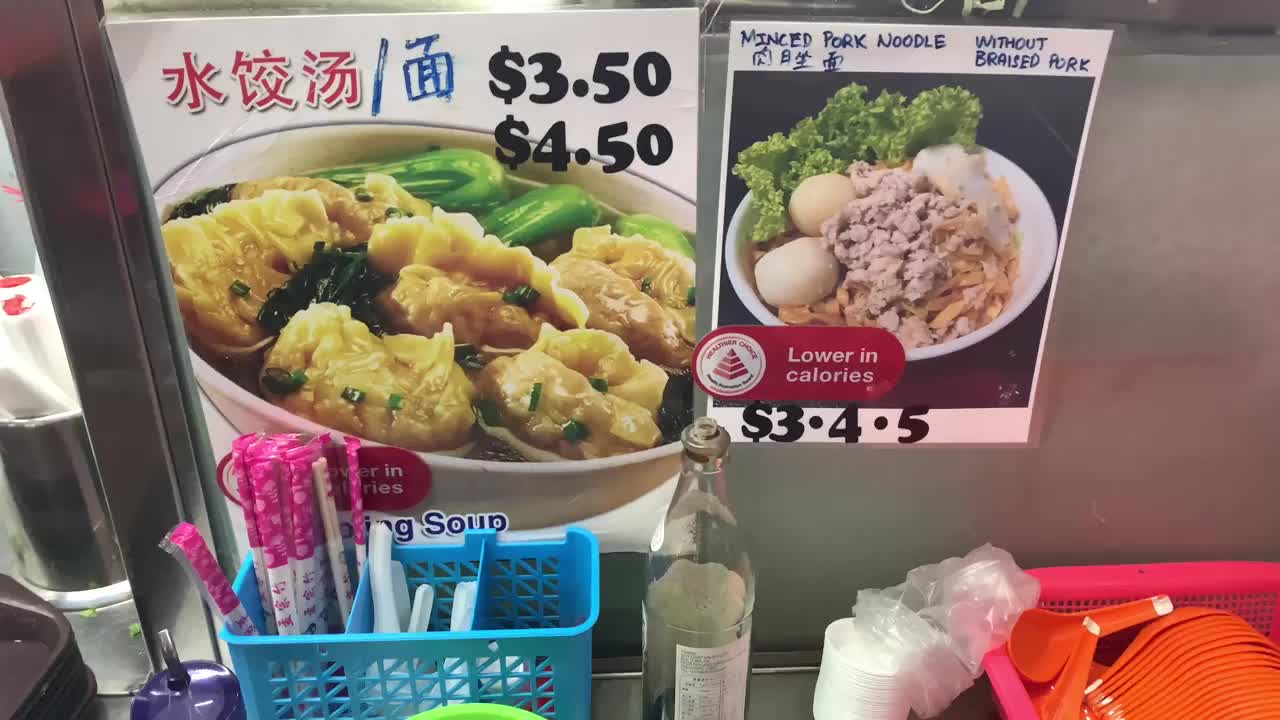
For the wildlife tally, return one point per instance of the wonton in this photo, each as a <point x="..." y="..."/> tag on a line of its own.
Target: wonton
<point x="225" y="263"/>
<point x="577" y="394"/>
<point x="401" y="390"/>
<point x="448" y="271"/>
<point x="636" y="289"/>
<point x="354" y="216"/>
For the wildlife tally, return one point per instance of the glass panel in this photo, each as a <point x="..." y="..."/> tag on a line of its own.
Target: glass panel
<point x="58" y="539"/>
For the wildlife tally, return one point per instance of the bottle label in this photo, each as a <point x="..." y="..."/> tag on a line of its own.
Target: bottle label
<point x="711" y="683"/>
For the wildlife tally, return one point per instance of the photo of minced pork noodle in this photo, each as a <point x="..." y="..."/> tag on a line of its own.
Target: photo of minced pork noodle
<point x="909" y="233"/>
<point x="919" y="263"/>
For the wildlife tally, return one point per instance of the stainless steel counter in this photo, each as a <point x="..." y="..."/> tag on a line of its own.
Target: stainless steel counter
<point x="775" y="695"/>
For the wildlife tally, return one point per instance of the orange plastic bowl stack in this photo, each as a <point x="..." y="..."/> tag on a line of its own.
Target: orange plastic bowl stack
<point x="1190" y="663"/>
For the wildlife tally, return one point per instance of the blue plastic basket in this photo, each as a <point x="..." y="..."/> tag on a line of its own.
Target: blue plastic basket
<point x="536" y="604"/>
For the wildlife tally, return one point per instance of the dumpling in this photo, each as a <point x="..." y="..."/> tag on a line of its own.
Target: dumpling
<point x="402" y="390"/>
<point x="449" y="271"/>
<point x="354" y="216"/>
<point x="636" y="289"/>
<point x="577" y="394"/>
<point x="224" y="263"/>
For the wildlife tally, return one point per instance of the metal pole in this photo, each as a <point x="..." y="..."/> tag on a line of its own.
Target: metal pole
<point x="94" y="227"/>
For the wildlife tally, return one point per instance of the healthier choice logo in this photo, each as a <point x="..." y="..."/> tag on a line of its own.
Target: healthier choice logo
<point x="795" y="364"/>
<point x="730" y="365"/>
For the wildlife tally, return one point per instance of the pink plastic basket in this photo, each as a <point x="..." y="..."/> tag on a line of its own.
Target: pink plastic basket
<point x="1249" y="589"/>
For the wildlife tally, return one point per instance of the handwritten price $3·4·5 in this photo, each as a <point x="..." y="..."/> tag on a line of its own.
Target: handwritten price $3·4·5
<point x="758" y="423"/>
<point x="650" y="76"/>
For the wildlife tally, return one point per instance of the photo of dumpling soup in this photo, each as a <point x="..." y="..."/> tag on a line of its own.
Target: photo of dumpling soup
<point x="436" y="302"/>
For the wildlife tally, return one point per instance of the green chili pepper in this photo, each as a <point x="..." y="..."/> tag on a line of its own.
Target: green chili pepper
<point x="658" y="230"/>
<point x="395" y="401"/>
<point x="456" y="179"/>
<point x="394" y="212"/>
<point x="352" y="395"/>
<point x="689" y="298"/>
<point x="543" y="213"/>
<point x="534" y="396"/>
<point x="362" y="194"/>
<point x="600" y="384"/>
<point x="239" y="288"/>
<point x="646" y="286"/>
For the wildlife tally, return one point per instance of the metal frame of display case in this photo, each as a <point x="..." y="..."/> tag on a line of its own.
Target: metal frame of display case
<point x="94" y="226"/>
<point x="94" y="223"/>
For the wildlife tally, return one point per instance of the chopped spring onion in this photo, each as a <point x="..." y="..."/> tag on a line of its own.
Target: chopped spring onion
<point x="353" y="395"/>
<point x="362" y="193"/>
<point x="395" y="401"/>
<point x="646" y="286"/>
<point x="468" y="357"/>
<point x="575" y="431"/>
<point x="521" y="295"/>
<point x="689" y="298"/>
<point x="394" y="212"/>
<point x="240" y="288"/>
<point x="534" y="396"/>
<point x="600" y="384"/>
<point x="282" y="382"/>
<point x="487" y="412"/>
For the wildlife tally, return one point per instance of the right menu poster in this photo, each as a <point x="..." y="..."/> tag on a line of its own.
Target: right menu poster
<point x="893" y="207"/>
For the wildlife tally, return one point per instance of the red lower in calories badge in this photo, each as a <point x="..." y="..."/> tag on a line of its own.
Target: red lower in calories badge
<point x="798" y="364"/>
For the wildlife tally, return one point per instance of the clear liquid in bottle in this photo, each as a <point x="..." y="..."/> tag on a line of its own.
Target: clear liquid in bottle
<point x="699" y="595"/>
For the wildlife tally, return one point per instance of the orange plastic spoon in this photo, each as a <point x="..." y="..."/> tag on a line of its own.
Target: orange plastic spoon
<point x="1178" y="684"/>
<point x="1172" y="650"/>
<point x="1169" y="697"/>
<point x="1065" y="700"/>
<point x="1042" y="640"/>
<point x="1155" y="630"/>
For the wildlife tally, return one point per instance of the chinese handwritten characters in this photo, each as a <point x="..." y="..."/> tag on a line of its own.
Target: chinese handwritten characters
<point x="263" y="81"/>
<point x="430" y="74"/>
<point x="426" y="74"/>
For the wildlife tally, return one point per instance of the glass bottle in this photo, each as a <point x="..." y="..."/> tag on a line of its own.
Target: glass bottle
<point x="700" y="593"/>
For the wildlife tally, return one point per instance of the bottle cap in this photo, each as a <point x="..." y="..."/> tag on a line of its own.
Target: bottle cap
<point x="705" y="439"/>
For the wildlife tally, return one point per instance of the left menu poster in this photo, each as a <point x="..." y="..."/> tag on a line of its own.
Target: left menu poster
<point x="465" y="238"/>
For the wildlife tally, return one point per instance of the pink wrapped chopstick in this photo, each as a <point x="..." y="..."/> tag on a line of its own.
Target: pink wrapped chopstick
<point x="309" y="571"/>
<point x="356" y="488"/>
<point x="188" y="547"/>
<point x="240" y="469"/>
<point x="264" y="474"/>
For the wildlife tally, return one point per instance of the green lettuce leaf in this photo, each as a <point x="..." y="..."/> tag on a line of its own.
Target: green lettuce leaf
<point x="848" y="129"/>
<point x="935" y="117"/>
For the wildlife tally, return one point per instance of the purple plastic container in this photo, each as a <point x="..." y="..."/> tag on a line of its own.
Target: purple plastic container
<point x="194" y="690"/>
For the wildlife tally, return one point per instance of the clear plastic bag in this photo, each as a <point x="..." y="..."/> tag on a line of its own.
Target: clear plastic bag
<point x="938" y="624"/>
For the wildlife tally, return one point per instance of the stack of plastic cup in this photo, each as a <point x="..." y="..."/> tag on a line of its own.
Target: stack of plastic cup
<point x="858" y="679"/>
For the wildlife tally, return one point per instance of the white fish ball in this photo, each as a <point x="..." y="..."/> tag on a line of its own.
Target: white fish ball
<point x="800" y="272"/>
<point x="818" y="198"/>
